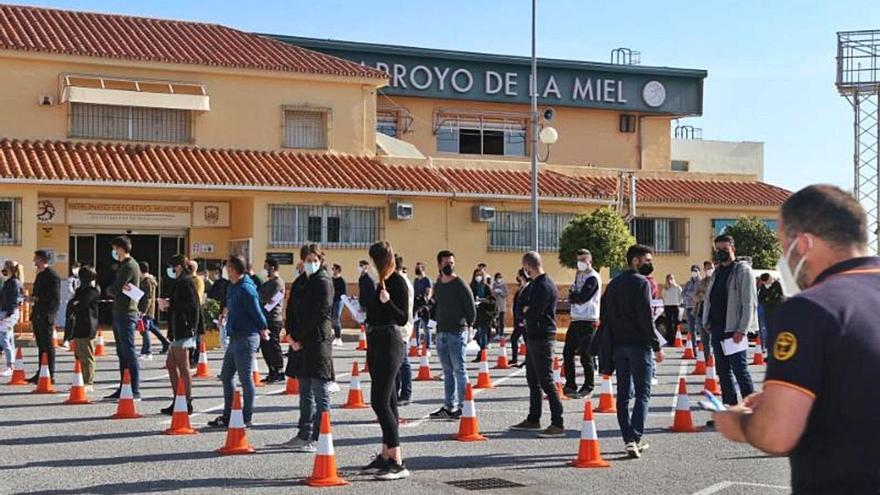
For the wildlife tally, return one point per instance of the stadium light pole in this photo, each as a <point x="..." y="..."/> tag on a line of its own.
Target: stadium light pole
<point x="533" y="87"/>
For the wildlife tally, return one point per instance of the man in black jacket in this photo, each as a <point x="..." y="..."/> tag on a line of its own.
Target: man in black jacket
<point x="46" y="296"/>
<point x="626" y="314"/>
<point x="539" y="308"/>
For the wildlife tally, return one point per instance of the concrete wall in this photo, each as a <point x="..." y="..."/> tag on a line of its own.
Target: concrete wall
<point x="738" y="157"/>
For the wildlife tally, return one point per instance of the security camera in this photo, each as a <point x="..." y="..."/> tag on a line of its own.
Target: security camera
<point x="129" y="231"/>
<point x="549" y="114"/>
<point x="47" y="100"/>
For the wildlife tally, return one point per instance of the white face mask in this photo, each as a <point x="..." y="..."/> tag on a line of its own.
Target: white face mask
<point x="171" y="273"/>
<point x="264" y="274"/>
<point x="479" y="278"/>
<point x="224" y="273"/>
<point x="695" y="275"/>
<point x="75" y="272"/>
<point x="311" y="267"/>
<point x="788" y="279"/>
<point x="583" y="266"/>
<point x="709" y="272"/>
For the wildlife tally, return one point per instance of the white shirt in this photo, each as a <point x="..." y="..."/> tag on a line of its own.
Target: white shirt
<point x="672" y="296"/>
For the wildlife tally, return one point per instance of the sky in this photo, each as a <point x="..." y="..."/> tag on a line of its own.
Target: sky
<point x="771" y="63"/>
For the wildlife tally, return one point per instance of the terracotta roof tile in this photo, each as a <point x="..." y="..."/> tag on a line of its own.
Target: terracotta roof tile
<point x="742" y="193"/>
<point x="159" y="40"/>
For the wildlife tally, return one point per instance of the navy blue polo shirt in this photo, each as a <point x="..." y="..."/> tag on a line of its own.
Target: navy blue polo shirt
<point x="826" y="344"/>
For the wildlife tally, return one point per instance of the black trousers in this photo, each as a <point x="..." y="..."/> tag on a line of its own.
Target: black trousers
<point x="577" y="340"/>
<point x="43" y="326"/>
<point x="539" y="375"/>
<point x="385" y="351"/>
<point x="271" y="349"/>
<point x="518" y="332"/>
<point x="670" y="313"/>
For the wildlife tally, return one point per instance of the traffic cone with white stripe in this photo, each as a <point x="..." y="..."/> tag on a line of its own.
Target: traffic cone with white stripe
<point x="502" y="363"/>
<point x="100" y="350"/>
<point x="759" y="352"/>
<point x="324" y="470"/>
<point x="236" y="433"/>
<point x="355" y="395"/>
<point x="688" y="350"/>
<point x="484" y="380"/>
<point x="292" y="386"/>
<point x="125" y="405"/>
<point x="558" y="380"/>
<point x="700" y="367"/>
<point x="18" y="375"/>
<point x="606" y="398"/>
<point x="71" y="346"/>
<point x="256" y="371"/>
<point x="202" y="369"/>
<point x="589" y="453"/>
<point x="424" y="367"/>
<point x="683" y="422"/>
<point x="362" y="340"/>
<point x="711" y="383"/>
<point x="414" y="343"/>
<point x="44" y="385"/>
<point x="180" y="416"/>
<point x="677" y="343"/>
<point x="77" y="388"/>
<point x="469" y="425"/>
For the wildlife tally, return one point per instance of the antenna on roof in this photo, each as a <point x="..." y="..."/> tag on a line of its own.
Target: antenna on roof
<point x="626" y="56"/>
<point x="687" y="131"/>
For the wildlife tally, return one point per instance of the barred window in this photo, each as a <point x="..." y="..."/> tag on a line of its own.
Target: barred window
<point x="663" y="235"/>
<point x="478" y="135"/>
<point x="305" y="129"/>
<point x="10" y="222"/>
<point x="387" y="122"/>
<point x="512" y="230"/>
<point x="164" y="125"/>
<point x="331" y="226"/>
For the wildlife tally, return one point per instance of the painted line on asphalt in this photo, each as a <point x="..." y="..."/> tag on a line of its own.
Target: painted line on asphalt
<point x="717" y="487"/>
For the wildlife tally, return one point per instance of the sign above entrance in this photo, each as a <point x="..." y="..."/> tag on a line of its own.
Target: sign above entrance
<point x="210" y="214"/>
<point x="50" y="210"/>
<point x="128" y="213"/>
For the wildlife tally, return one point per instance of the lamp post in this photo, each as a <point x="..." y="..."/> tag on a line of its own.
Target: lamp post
<point x="533" y="87"/>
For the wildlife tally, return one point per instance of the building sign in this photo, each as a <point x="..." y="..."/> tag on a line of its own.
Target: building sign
<point x="50" y="210"/>
<point x="128" y="213"/>
<point x="281" y="258"/>
<point x="505" y="79"/>
<point x="210" y="214"/>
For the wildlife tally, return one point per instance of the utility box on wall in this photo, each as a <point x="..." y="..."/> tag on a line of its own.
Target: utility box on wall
<point x="483" y="213"/>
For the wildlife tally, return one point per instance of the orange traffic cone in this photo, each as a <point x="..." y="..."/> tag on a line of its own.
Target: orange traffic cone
<point x="324" y="470"/>
<point x="522" y="349"/>
<point x="688" y="350"/>
<point x="469" y="425"/>
<point x="677" y="343"/>
<point x="55" y="338"/>
<point x="484" y="380"/>
<point x="99" y="344"/>
<point x="711" y="379"/>
<point x="366" y="367"/>
<point x="589" y="453"/>
<point x="292" y="386"/>
<point x="71" y="346"/>
<point x="362" y="340"/>
<point x="700" y="367"/>
<point x="414" y="344"/>
<point x="236" y="434"/>
<point x="202" y="369"/>
<point x="424" y="367"/>
<point x="77" y="388"/>
<point x="502" y="363"/>
<point x="606" y="398"/>
<point x="44" y="386"/>
<point x="759" y="352"/>
<point x="558" y="379"/>
<point x="125" y="406"/>
<point x="18" y="375"/>
<point x="684" y="422"/>
<point x="180" y="417"/>
<point x="355" y="395"/>
<point x="256" y="372"/>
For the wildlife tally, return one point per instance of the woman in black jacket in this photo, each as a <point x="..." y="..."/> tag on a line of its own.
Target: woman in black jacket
<point x="82" y="319"/>
<point x="310" y="335"/>
<point x="519" y="321"/>
<point x="184" y="322"/>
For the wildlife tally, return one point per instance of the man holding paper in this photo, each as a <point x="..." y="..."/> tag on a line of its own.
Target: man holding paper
<point x="271" y="296"/>
<point x="125" y="311"/>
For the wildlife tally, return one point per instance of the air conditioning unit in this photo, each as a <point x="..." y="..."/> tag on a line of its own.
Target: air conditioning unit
<point x="483" y="213"/>
<point x="401" y="211"/>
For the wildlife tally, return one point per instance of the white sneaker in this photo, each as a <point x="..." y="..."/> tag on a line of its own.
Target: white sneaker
<point x="146" y="357"/>
<point x="632" y="450"/>
<point x="337" y="342"/>
<point x="333" y="387"/>
<point x="90" y="388"/>
<point x="655" y="381"/>
<point x="65" y="346"/>
<point x="6" y="372"/>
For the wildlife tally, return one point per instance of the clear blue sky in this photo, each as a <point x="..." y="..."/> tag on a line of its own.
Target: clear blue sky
<point x="771" y="62"/>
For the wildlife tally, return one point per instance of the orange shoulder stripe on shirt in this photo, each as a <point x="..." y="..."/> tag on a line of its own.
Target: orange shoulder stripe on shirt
<point x="791" y="386"/>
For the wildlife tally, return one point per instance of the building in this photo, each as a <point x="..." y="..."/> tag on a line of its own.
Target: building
<point x="711" y="156"/>
<point x="206" y="140"/>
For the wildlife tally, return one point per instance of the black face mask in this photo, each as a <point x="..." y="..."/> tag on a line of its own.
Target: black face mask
<point x="419" y="273"/>
<point x="722" y="256"/>
<point x="646" y="269"/>
<point x="447" y="270"/>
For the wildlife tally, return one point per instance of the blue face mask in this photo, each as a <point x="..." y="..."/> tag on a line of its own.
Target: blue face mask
<point x="114" y="255"/>
<point x="171" y="273"/>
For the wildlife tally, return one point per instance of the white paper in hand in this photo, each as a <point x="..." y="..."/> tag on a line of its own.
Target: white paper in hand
<point x="662" y="340"/>
<point x="275" y="301"/>
<point x="354" y="307"/>
<point x="730" y="347"/>
<point x="134" y="293"/>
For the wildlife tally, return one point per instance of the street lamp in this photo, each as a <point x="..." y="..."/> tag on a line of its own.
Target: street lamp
<point x="533" y="87"/>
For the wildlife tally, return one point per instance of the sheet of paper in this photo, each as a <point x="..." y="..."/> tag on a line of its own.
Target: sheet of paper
<point x="660" y="338"/>
<point x="354" y="308"/>
<point x="275" y="301"/>
<point x="134" y="293"/>
<point x="730" y="347"/>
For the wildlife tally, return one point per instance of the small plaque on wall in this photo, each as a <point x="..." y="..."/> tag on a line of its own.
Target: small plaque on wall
<point x="281" y="258"/>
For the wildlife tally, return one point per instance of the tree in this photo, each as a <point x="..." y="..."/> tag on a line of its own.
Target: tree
<point x="753" y="238"/>
<point x="603" y="232"/>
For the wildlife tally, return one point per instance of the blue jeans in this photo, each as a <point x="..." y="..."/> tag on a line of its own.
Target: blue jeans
<point x="123" y="333"/>
<point x="423" y="323"/>
<point x="150" y="327"/>
<point x="482" y="336"/>
<point x="314" y="399"/>
<point x="499" y="325"/>
<point x="728" y="367"/>
<point x="634" y="366"/>
<point x="451" y="347"/>
<point x="693" y="326"/>
<point x="762" y="324"/>
<point x="238" y="358"/>
<point x="335" y="314"/>
<point x="404" y="380"/>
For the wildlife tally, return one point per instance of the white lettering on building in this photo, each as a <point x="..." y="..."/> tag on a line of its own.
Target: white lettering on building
<point x="397" y="77"/>
<point x="494" y="83"/>
<point x="441" y="77"/>
<point x="510" y="83"/>
<point x="428" y="77"/>
<point x="467" y="76"/>
<point x="551" y="87"/>
<point x="582" y="91"/>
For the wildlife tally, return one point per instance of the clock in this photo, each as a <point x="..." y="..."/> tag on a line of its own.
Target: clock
<point x="654" y="94"/>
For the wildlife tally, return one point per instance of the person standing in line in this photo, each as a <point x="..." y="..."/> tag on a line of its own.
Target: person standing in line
<point x="500" y="291"/>
<point x="770" y="297"/>
<point x="11" y="297"/>
<point x="424" y="292"/>
<point x="455" y="313"/>
<point x="519" y="322"/>
<point x="404" y="377"/>
<point x="487" y="315"/>
<point x="82" y="317"/>
<point x="217" y="292"/>
<point x="46" y="297"/>
<point x="68" y="287"/>
<point x="729" y="312"/>
<point x="309" y="322"/>
<point x="671" y="307"/>
<point x="387" y="311"/>
<point x="245" y="325"/>
<point x="366" y="284"/>
<point x="147" y="307"/>
<point x="629" y="321"/>
<point x="339" y="290"/>
<point x="688" y="297"/>
<point x="271" y="298"/>
<point x="199" y="283"/>
<point x="184" y="323"/>
<point x="479" y="286"/>
<point x="584" y="296"/>
<point x="699" y="299"/>
<point x="256" y="279"/>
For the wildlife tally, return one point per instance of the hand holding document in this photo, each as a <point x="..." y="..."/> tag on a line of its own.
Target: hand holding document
<point x="354" y="308"/>
<point x="275" y="301"/>
<point x="730" y="347"/>
<point x="133" y="292"/>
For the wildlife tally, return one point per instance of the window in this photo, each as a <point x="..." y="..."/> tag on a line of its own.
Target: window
<point x="339" y="226"/>
<point x="512" y="230"/>
<point x="10" y="222"/>
<point x="719" y="225"/>
<point x="165" y="125"/>
<point x="680" y="165"/>
<point x="387" y="123"/>
<point x="627" y="122"/>
<point x="306" y="129"/>
<point x="663" y="235"/>
<point x="476" y="135"/>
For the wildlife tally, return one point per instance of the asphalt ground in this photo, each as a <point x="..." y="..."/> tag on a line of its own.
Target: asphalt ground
<point x="50" y="448"/>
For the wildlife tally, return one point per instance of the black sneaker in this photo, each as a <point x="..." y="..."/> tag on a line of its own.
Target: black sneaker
<point x="442" y="413"/>
<point x="168" y="411"/>
<point x="136" y="397"/>
<point x="218" y="422"/>
<point x="513" y="363"/>
<point x="375" y="467"/>
<point x="552" y="431"/>
<point x="392" y="471"/>
<point x="586" y="391"/>
<point x="113" y="396"/>
<point x="571" y="393"/>
<point x="189" y="407"/>
<point x="526" y="426"/>
<point x="403" y="402"/>
<point x="477" y="359"/>
<point x="710" y="423"/>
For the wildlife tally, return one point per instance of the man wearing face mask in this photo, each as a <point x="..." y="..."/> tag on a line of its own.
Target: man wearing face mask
<point x="584" y="297"/>
<point x="46" y="296"/>
<point x="687" y="294"/>
<point x="125" y="312"/>
<point x="699" y="298"/>
<point x="271" y="296"/>
<point x="366" y="284"/>
<point x="821" y="399"/>
<point x="730" y="312"/>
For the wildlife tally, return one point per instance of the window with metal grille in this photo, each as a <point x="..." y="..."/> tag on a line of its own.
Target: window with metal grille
<point x="305" y="129"/>
<point x="387" y="122"/>
<point x="663" y="235"/>
<point x="474" y="135"/>
<point x="680" y="165"/>
<point x="331" y="226"/>
<point x="163" y="125"/>
<point x="10" y="222"/>
<point x="512" y="230"/>
<point x="627" y="122"/>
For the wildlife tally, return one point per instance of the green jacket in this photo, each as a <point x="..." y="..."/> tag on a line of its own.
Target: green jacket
<point x="127" y="273"/>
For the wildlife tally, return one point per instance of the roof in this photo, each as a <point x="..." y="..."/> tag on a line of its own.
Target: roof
<point x="158" y="40"/>
<point x="172" y="166"/>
